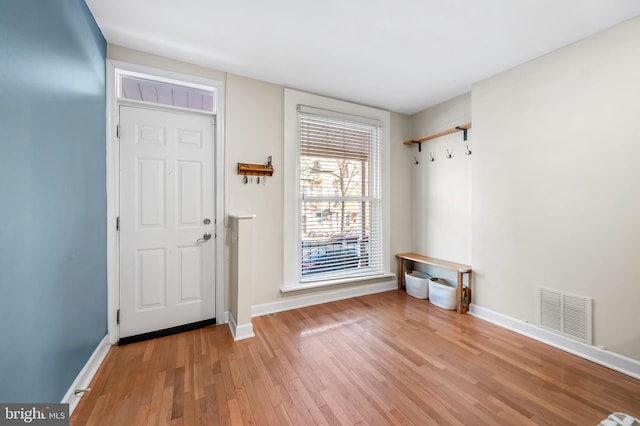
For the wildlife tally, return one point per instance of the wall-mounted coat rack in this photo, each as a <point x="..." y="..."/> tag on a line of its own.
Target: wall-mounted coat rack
<point x="247" y="169"/>
<point x="460" y="128"/>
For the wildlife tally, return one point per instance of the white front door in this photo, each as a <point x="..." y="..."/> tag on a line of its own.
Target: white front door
<point x="167" y="260"/>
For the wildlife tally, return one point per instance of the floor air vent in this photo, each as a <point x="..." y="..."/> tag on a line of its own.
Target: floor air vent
<point x="565" y="314"/>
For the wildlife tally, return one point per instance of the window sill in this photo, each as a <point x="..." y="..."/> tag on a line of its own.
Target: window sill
<point x="329" y="283"/>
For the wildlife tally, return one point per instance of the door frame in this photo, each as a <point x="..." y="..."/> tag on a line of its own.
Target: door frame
<point x="113" y="184"/>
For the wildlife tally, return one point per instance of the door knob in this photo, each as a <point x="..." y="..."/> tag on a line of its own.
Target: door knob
<point x="205" y="237"/>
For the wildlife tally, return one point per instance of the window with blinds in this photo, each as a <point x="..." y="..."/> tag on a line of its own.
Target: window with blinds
<point x="339" y="195"/>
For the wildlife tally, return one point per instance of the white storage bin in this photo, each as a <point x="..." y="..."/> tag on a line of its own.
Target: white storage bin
<point x="417" y="284"/>
<point x="442" y="293"/>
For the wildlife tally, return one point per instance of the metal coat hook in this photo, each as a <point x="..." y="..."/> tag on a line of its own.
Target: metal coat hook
<point x="433" y="156"/>
<point x="449" y="154"/>
<point x="415" y="160"/>
<point x="468" y="152"/>
<point x="245" y="180"/>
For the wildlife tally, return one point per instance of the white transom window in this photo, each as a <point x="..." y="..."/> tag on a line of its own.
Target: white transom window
<point x="145" y="89"/>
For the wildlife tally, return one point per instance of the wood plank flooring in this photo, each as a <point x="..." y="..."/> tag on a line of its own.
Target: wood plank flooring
<point x="380" y="359"/>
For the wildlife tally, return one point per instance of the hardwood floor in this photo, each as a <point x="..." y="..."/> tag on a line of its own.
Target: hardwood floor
<point x="380" y="359"/>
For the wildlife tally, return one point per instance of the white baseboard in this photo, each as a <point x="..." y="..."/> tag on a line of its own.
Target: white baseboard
<point x="239" y="332"/>
<point x="225" y="318"/>
<point x="612" y="360"/>
<point x="85" y="376"/>
<point x="289" y="303"/>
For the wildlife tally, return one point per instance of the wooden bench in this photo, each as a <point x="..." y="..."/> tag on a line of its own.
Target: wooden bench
<point x="460" y="268"/>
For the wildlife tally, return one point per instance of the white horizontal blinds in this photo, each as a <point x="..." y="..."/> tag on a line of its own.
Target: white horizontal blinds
<point x="339" y="195"/>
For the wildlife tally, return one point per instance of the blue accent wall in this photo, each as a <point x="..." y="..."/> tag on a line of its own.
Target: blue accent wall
<point x="53" y="291"/>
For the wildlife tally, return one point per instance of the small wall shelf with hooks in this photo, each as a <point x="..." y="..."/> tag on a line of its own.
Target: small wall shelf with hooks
<point x="460" y="128"/>
<point x="254" y="170"/>
<point x="247" y="169"/>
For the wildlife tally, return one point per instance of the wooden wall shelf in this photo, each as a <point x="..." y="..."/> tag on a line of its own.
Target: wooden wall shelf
<point x="246" y="169"/>
<point x="459" y="128"/>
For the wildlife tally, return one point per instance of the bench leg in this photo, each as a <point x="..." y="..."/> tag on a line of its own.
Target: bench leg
<point x="400" y="272"/>
<point x="469" y="289"/>
<point x="459" y="293"/>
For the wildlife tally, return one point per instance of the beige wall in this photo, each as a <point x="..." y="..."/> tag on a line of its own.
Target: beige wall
<point x="253" y="131"/>
<point x="441" y="191"/>
<point x="401" y="200"/>
<point x="554" y="175"/>
<point x="555" y="183"/>
<point x="123" y="54"/>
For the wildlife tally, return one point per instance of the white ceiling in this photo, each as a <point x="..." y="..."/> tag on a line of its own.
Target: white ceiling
<point x="401" y="55"/>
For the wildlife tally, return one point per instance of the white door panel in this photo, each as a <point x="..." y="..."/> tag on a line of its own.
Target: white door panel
<point x="166" y="191"/>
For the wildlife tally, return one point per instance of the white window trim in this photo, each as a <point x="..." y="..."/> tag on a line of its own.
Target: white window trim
<point x="293" y="98"/>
